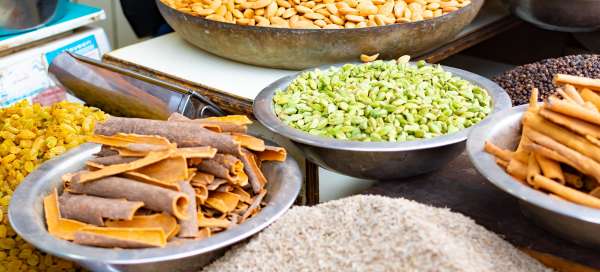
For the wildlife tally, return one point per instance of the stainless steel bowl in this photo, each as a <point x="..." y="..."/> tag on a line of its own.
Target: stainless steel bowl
<point x="560" y="15"/>
<point x="297" y="49"/>
<point x="27" y="218"/>
<point x="18" y="16"/>
<point x="573" y="222"/>
<point x="374" y="160"/>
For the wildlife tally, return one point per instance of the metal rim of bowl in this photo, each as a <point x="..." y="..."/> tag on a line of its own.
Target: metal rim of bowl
<point x="486" y="166"/>
<point x="265" y="114"/>
<point x="41" y="239"/>
<point x="224" y="25"/>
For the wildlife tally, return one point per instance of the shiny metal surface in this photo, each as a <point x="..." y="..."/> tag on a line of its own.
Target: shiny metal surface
<point x="24" y="15"/>
<point x="306" y="48"/>
<point x="573" y="222"/>
<point x="375" y="160"/>
<point x="559" y="15"/>
<point x="27" y="218"/>
<point x="122" y="92"/>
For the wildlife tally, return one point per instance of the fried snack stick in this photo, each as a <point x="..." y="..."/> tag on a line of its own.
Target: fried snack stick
<point x="213" y="124"/>
<point x="575" y="159"/>
<point x="533" y="168"/>
<point x="565" y="95"/>
<point x="572" y="92"/>
<point x="503" y="154"/>
<point x="517" y="169"/>
<point x="93" y="210"/>
<point x="184" y="134"/>
<point x="574" y="180"/>
<point x="574" y="124"/>
<point x="155" y="198"/>
<point x="160" y="220"/>
<point x="121" y="237"/>
<point x="565" y="192"/>
<point x="189" y="226"/>
<point x="255" y="175"/>
<point x="502" y="163"/>
<point x="563" y="136"/>
<point x="550" y="168"/>
<point x="590" y="96"/>
<point x="57" y="226"/>
<point x="573" y="110"/>
<point x="577" y="81"/>
<point x="223" y="166"/>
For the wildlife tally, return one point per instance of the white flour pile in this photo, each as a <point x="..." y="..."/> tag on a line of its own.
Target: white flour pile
<point x="373" y="233"/>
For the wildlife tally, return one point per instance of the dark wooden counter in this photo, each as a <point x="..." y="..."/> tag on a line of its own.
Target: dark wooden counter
<point x="462" y="189"/>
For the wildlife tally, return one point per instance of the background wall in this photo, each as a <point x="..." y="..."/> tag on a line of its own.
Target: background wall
<point x="116" y="26"/>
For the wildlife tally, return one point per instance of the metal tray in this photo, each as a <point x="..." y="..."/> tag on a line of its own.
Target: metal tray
<point x="570" y="221"/>
<point x="375" y="160"/>
<point x="27" y="219"/>
<point x="298" y="49"/>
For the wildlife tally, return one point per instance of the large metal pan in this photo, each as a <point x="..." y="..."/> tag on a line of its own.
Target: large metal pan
<point x="306" y="48"/>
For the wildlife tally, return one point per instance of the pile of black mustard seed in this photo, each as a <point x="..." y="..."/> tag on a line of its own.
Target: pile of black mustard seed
<point x="519" y="81"/>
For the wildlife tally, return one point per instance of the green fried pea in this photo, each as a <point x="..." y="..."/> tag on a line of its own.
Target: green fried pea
<point x="401" y="102"/>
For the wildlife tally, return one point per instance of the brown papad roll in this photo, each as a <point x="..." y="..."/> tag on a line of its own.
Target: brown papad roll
<point x="93" y="210"/>
<point x="155" y="198"/>
<point x="222" y="126"/>
<point x="113" y="159"/>
<point x="189" y="226"/>
<point x="255" y="175"/>
<point x="121" y="237"/>
<point x="223" y="166"/>
<point x="185" y="134"/>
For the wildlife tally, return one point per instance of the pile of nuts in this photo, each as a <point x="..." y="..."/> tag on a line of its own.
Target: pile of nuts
<point x="317" y="14"/>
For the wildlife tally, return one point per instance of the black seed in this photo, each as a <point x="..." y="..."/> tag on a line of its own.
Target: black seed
<point x="519" y="81"/>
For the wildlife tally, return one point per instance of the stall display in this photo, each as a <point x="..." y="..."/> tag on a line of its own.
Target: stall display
<point x="194" y="178"/>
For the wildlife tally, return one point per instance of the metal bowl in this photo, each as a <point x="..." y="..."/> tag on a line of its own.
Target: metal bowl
<point x="573" y="222"/>
<point x="27" y="219"/>
<point x="374" y="160"/>
<point x="560" y="15"/>
<point x="298" y="49"/>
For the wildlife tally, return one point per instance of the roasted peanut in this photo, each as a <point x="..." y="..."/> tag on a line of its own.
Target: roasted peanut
<point x="318" y="13"/>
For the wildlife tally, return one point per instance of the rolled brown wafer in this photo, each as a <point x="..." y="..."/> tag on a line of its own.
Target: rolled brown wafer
<point x="155" y="198"/>
<point x="189" y="226"/>
<point x="113" y="159"/>
<point x="121" y="237"/>
<point x="255" y="175"/>
<point x="185" y="134"/>
<point x="217" y="126"/>
<point x="223" y="166"/>
<point x="93" y="210"/>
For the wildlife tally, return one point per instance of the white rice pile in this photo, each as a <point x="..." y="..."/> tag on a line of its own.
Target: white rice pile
<point x="374" y="233"/>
